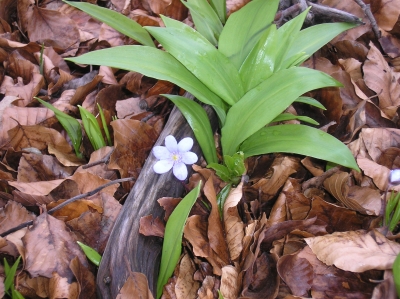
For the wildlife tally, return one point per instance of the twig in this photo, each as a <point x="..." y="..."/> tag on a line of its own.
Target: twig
<point x="75" y="198"/>
<point x="333" y="13"/>
<point x="318" y="180"/>
<point x="367" y="10"/>
<point x="101" y="161"/>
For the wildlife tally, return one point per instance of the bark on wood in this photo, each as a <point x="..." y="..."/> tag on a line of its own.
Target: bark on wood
<point x="126" y="249"/>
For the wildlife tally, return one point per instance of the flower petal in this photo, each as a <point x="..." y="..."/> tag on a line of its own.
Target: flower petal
<point x="161" y="153"/>
<point x="185" y="144"/>
<point x="163" y="166"/>
<point x="171" y="144"/>
<point x="189" y="158"/>
<point x="180" y="171"/>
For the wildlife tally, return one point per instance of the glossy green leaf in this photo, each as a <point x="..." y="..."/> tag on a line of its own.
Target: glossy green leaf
<point x="260" y="63"/>
<point x="221" y="171"/>
<point x="266" y="101"/>
<point x="396" y="274"/>
<point x="219" y="7"/>
<point x="313" y="38"/>
<point x="156" y="64"/>
<point x="244" y="28"/>
<point x="198" y="120"/>
<point x="92" y="128"/>
<point x="299" y="139"/>
<point x="290" y="116"/>
<point x="286" y="35"/>
<point x="90" y="253"/>
<point x="116" y="20"/>
<point x="172" y="245"/>
<point x="202" y="59"/>
<point x="310" y="101"/>
<point x="70" y="124"/>
<point x="235" y="164"/>
<point x="222" y="196"/>
<point x="205" y="19"/>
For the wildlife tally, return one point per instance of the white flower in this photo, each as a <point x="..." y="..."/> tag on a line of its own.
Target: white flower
<point x="174" y="155"/>
<point x="394" y="177"/>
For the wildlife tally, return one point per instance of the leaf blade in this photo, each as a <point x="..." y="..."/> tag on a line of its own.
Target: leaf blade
<point x="116" y="20"/>
<point x="299" y="139"/>
<point x="172" y="245"/>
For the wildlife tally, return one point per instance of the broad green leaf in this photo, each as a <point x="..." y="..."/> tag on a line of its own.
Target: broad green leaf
<point x="260" y="63"/>
<point x="286" y="34"/>
<point x="172" y="245"/>
<point x="205" y="19"/>
<point x="221" y="171"/>
<point x="117" y="21"/>
<point x="92" y="128"/>
<point x="219" y="7"/>
<point x="313" y="38"/>
<point x="235" y="164"/>
<point x="202" y="59"/>
<point x="70" y="124"/>
<point x="16" y="295"/>
<point x="200" y="124"/>
<point x="299" y="139"/>
<point x="244" y="28"/>
<point x="10" y="273"/>
<point x="156" y="64"/>
<point x="290" y="116"/>
<point x="90" y="253"/>
<point x="263" y="103"/>
<point x="310" y="101"/>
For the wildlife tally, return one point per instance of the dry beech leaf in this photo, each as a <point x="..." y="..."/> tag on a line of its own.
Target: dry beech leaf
<point x="234" y="227"/>
<point x="229" y="282"/>
<point x="186" y="287"/>
<point x="150" y="226"/>
<point x="85" y="278"/>
<point x="355" y="251"/>
<point x="37" y="188"/>
<point x="60" y="287"/>
<point x="215" y="232"/>
<point x="380" y="78"/>
<point x="136" y="286"/>
<point x="368" y="204"/>
<point x="50" y="247"/>
<point x="206" y="291"/>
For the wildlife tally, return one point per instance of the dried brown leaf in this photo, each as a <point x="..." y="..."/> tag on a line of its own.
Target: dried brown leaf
<point x="234" y="227"/>
<point x="229" y="282"/>
<point x="85" y="278"/>
<point x="50" y="247"/>
<point x="136" y="286"/>
<point x="355" y="251"/>
<point x="150" y="226"/>
<point x="186" y="286"/>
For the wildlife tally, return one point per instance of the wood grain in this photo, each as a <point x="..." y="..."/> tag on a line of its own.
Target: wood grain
<point x="126" y="249"/>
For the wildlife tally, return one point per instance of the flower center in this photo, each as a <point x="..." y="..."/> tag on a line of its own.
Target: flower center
<point x="175" y="157"/>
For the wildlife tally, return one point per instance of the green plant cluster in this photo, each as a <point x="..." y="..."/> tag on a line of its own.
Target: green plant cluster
<point x="9" y="287"/>
<point x="247" y="69"/>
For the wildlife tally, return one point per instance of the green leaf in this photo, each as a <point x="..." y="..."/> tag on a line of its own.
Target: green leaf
<point x="200" y="124"/>
<point x="313" y="38"/>
<point x="156" y="64"/>
<point x="92" y="128"/>
<point x="263" y="103"/>
<point x="117" y="21"/>
<point x="205" y="19"/>
<point x="172" y="245"/>
<point x="202" y="59"/>
<point x="396" y="216"/>
<point x="299" y="139"/>
<point x="10" y="273"/>
<point x="396" y="274"/>
<point x="390" y="206"/>
<point x="290" y="116"/>
<point x="310" y="101"/>
<point x="90" y="253"/>
<point x="260" y="63"/>
<point x="70" y="124"/>
<point x="219" y="7"/>
<point x="16" y="295"/>
<point x="222" y="196"/>
<point x="104" y="123"/>
<point x="235" y="164"/>
<point x="244" y="28"/>
<point x="221" y="171"/>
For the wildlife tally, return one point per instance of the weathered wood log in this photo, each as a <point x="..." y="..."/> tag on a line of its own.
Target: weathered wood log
<point x="126" y="249"/>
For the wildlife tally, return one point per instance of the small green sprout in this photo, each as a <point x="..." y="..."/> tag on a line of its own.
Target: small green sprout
<point x="9" y="287"/>
<point x="91" y="254"/>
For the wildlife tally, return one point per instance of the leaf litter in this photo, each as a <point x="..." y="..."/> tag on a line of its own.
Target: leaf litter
<point x="291" y="229"/>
